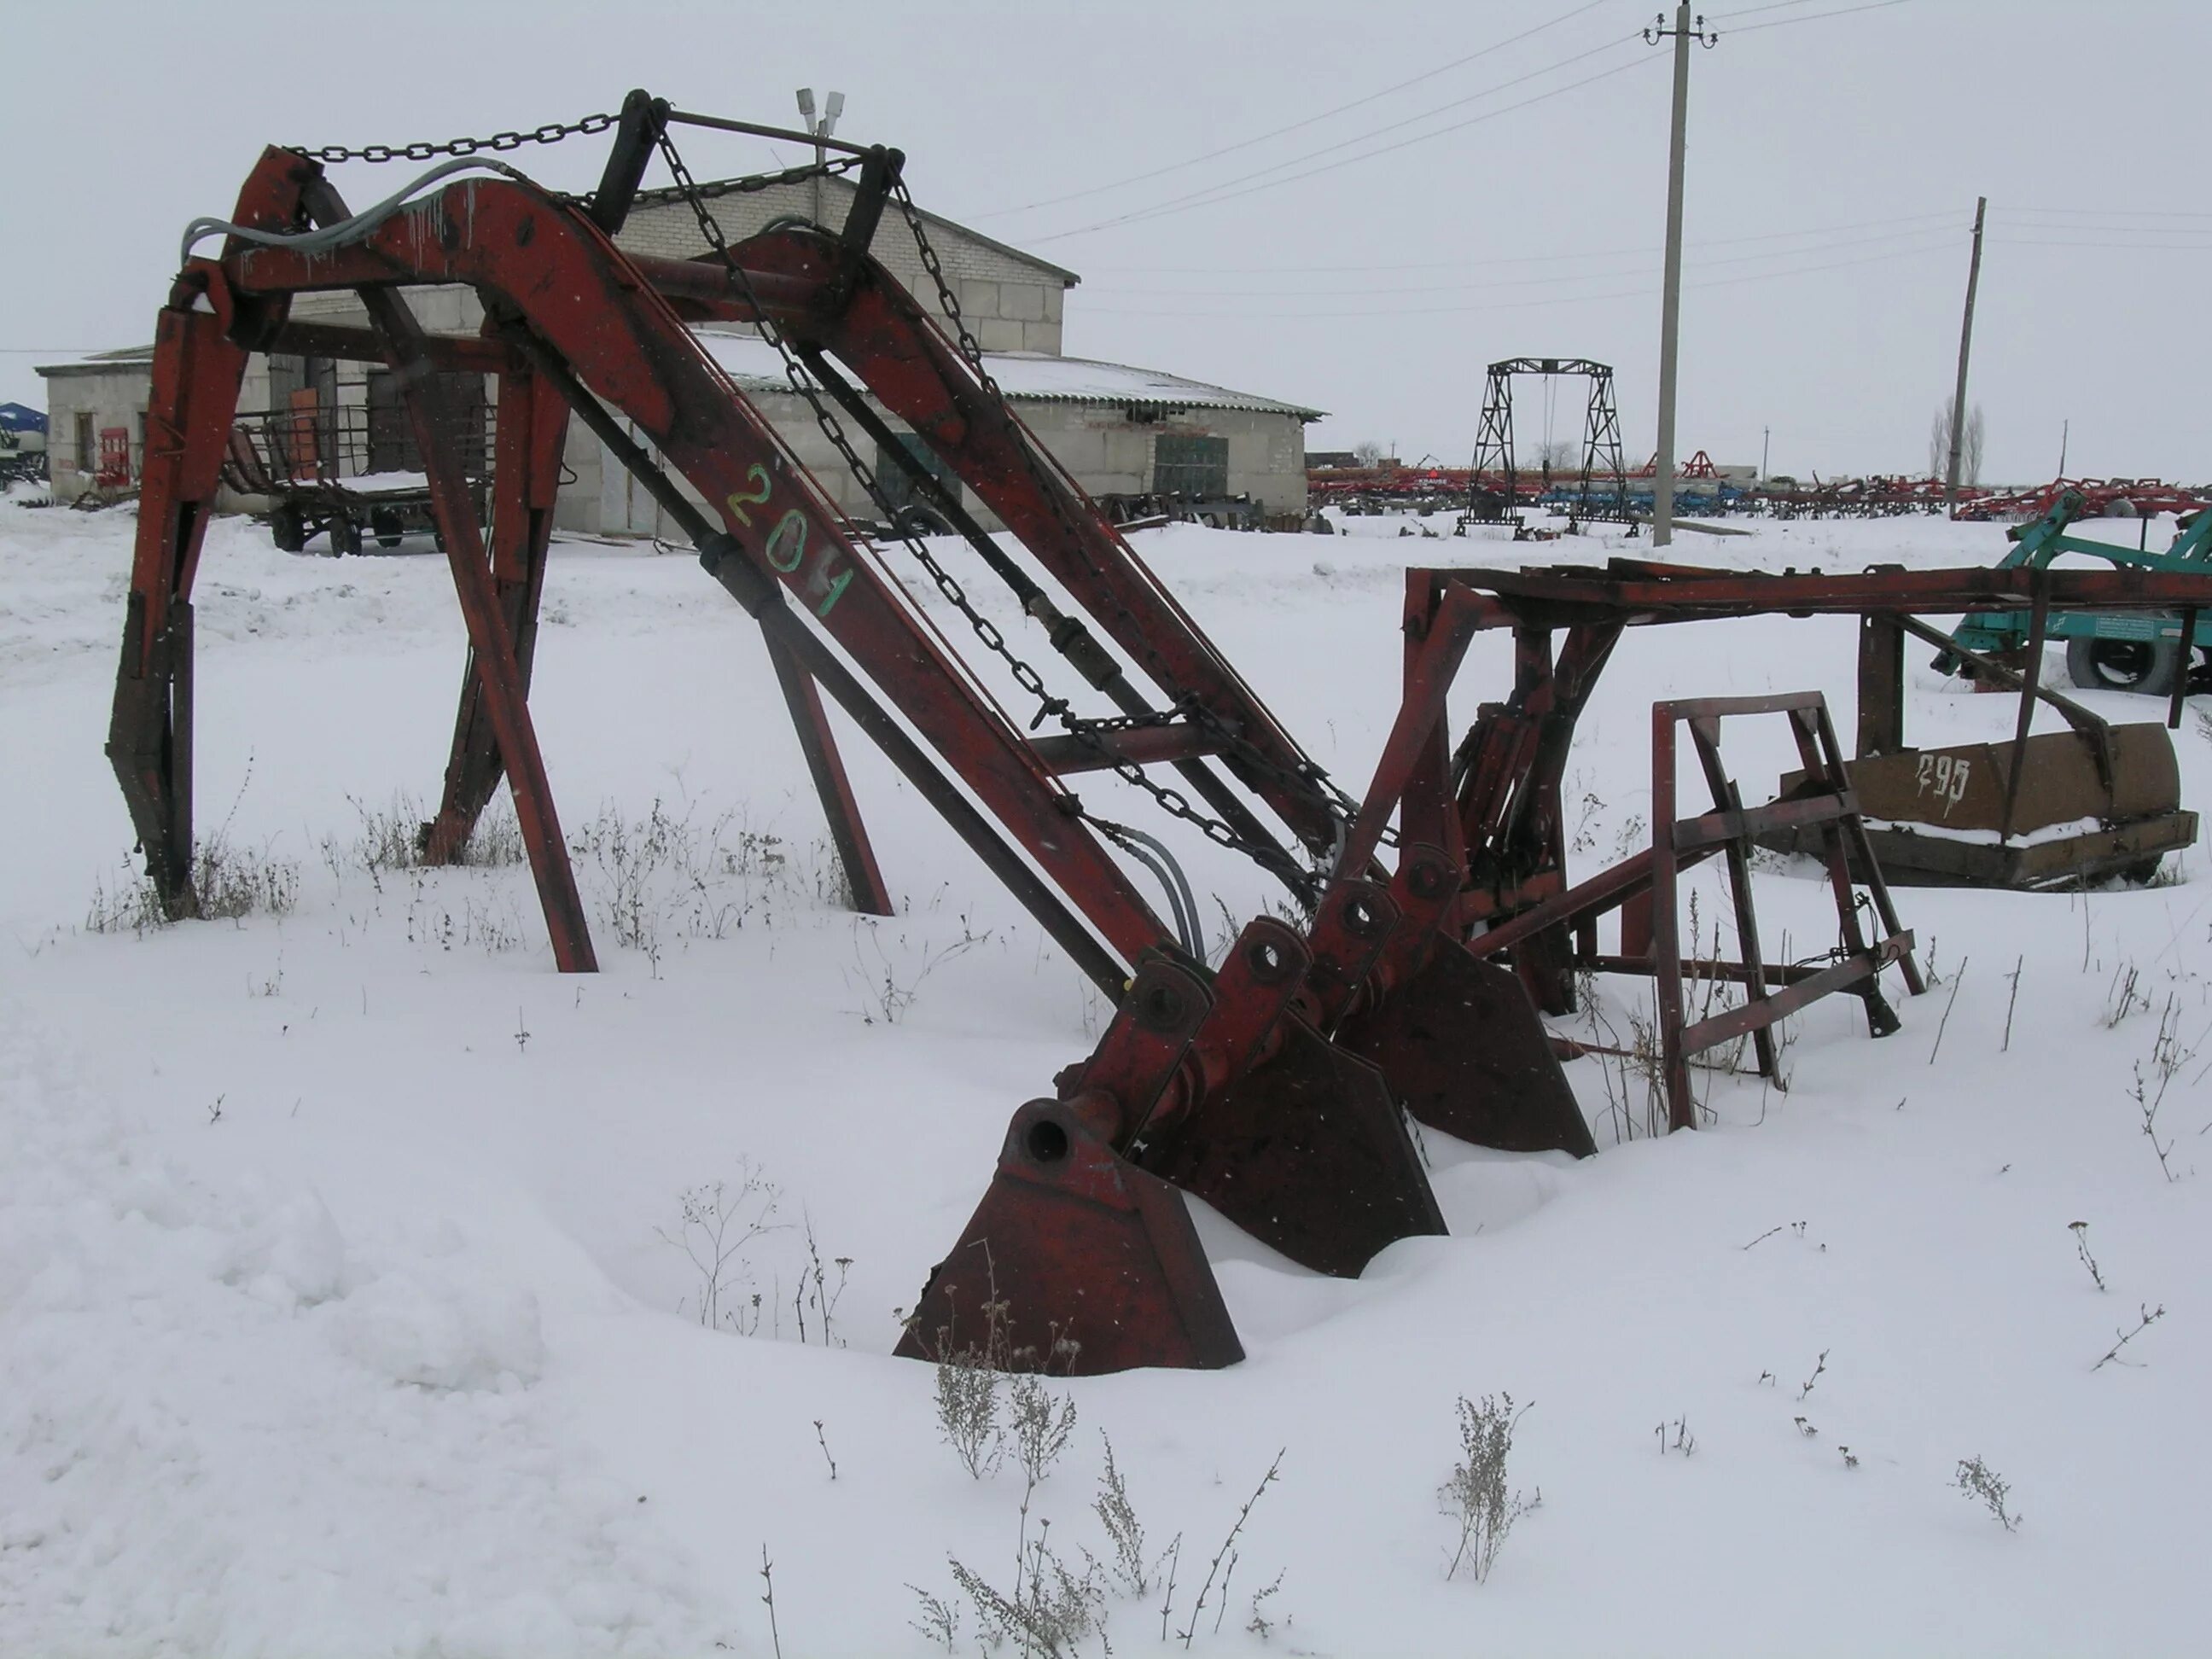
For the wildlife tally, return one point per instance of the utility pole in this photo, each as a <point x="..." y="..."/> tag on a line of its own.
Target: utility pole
<point x="833" y="106"/>
<point x="1966" y="343"/>
<point x="2065" y="431"/>
<point x="1765" y="439"/>
<point x="1670" y="304"/>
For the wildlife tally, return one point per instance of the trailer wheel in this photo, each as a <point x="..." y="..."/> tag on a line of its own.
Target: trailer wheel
<point x="287" y="530"/>
<point x="2148" y="667"/>
<point x="390" y="529"/>
<point x="917" y="519"/>
<point x="345" y="535"/>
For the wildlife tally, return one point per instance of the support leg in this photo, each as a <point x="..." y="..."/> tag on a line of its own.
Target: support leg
<point x="1860" y="846"/>
<point x="197" y="372"/>
<point x="1666" y="927"/>
<point x="498" y="672"/>
<point x="863" y="880"/>
<point x="1820" y="755"/>
<point x="1726" y="798"/>
<point x="1881" y="685"/>
<point x="532" y="427"/>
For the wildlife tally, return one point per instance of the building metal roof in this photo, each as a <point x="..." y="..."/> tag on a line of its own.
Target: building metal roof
<point x="834" y="183"/>
<point x="101" y="362"/>
<point x="1023" y="376"/>
<point x="1031" y="377"/>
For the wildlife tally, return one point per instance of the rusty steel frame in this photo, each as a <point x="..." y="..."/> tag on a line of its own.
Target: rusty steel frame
<point x="1509" y="768"/>
<point x="1275" y="1086"/>
<point x="1501" y="813"/>
<point x="1644" y="890"/>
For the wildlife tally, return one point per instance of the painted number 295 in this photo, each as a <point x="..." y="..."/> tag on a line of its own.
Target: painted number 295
<point x="787" y="543"/>
<point x="1944" y="776"/>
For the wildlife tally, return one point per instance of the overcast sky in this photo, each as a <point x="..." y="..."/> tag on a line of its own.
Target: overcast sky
<point x="1833" y="167"/>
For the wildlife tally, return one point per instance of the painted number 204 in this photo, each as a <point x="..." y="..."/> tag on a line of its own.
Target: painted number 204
<point x="787" y="544"/>
<point x="1944" y="776"/>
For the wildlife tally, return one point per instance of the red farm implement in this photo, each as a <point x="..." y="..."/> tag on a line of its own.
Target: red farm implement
<point x="1276" y="1086"/>
<point x="2098" y="498"/>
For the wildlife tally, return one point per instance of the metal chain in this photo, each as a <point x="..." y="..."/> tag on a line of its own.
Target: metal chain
<point x="1170" y="800"/>
<point x="755" y="181"/>
<point x="424" y="150"/>
<point x="1310" y="773"/>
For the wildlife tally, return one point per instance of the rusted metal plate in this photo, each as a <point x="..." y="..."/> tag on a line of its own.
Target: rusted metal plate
<point x="1460" y="1044"/>
<point x="1308" y="1152"/>
<point x="1074" y="1262"/>
<point x="1964" y="788"/>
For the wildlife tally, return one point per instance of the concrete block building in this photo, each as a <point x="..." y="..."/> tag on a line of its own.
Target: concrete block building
<point x="1123" y="432"/>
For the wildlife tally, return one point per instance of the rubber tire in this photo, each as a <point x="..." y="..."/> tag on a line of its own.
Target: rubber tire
<point x="390" y="529"/>
<point x="2148" y="667"/>
<point x="920" y="519"/>
<point x="286" y="530"/>
<point x="345" y="536"/>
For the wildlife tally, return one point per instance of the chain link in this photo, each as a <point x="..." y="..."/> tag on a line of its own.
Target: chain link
<point x="1171" y="800"/>
<point x="1025" y="675"/>
<point x="1309" y="774"/>
<point x="753" y="182"/>
<point x="424" y="150"/>
<point x="1089" y="732"/>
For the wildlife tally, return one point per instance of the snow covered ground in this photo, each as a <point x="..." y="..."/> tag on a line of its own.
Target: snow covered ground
<point x="338" y="1312"/>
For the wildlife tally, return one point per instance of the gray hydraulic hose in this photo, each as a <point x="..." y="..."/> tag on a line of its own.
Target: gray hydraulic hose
<point x="346" y="230"/>
<point x="1153" y="854"/>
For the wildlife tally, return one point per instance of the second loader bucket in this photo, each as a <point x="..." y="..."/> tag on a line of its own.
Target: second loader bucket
<point x="1308" y="1152"/>
<point x="1460" y="1043"/>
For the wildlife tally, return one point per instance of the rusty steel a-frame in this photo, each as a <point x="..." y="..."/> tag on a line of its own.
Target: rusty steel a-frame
<point x="1253" y="1086"/>
<point x="1275" y="1085"/>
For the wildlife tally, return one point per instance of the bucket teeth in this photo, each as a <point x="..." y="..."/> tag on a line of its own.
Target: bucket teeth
<point x="1075" y="1262"/>
<point x="1460" y="1044"/>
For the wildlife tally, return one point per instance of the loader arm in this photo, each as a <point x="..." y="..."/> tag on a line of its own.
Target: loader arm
<point x="868" y="321"/>
<point x="568" y="292"/>
<point x="1275" y="1085"/>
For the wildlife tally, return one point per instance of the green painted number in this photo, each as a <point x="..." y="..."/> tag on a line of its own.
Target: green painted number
<point x="738" y="501"/>
<point x="787" y="543"/>
<point x="837" y="586"/>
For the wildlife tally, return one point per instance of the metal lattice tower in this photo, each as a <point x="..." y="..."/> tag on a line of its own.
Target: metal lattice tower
<point x="1601" y="492"/>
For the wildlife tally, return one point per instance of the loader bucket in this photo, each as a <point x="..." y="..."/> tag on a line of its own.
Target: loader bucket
<point x="1308" y="1152"/>
<point x="1075" y="1262"/>
<point x="1460" y="1044"/>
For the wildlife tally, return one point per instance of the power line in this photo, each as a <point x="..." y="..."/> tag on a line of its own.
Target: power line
<point x="2110" y="213"/>
<point x="1945" y="246"/>
<point x="1754" y="11"/>
<point x="1525" y="258"/>
<point x="2086" y="227"/>
<point x="1185" y="204"/>
<point x="1214" y="195"/>
<point x="1920" y="233"/>
<point x="1223" y="190"/>
<point x="2125" y="247"/>
<point x="1295" y="126"/>
<point x="1817" y="17"/>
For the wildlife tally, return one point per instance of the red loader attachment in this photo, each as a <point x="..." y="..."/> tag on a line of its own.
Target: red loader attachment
<point x="1275" y="1086"/>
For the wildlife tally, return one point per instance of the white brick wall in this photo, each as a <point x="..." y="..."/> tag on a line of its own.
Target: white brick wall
<point x="993" y="286"/>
